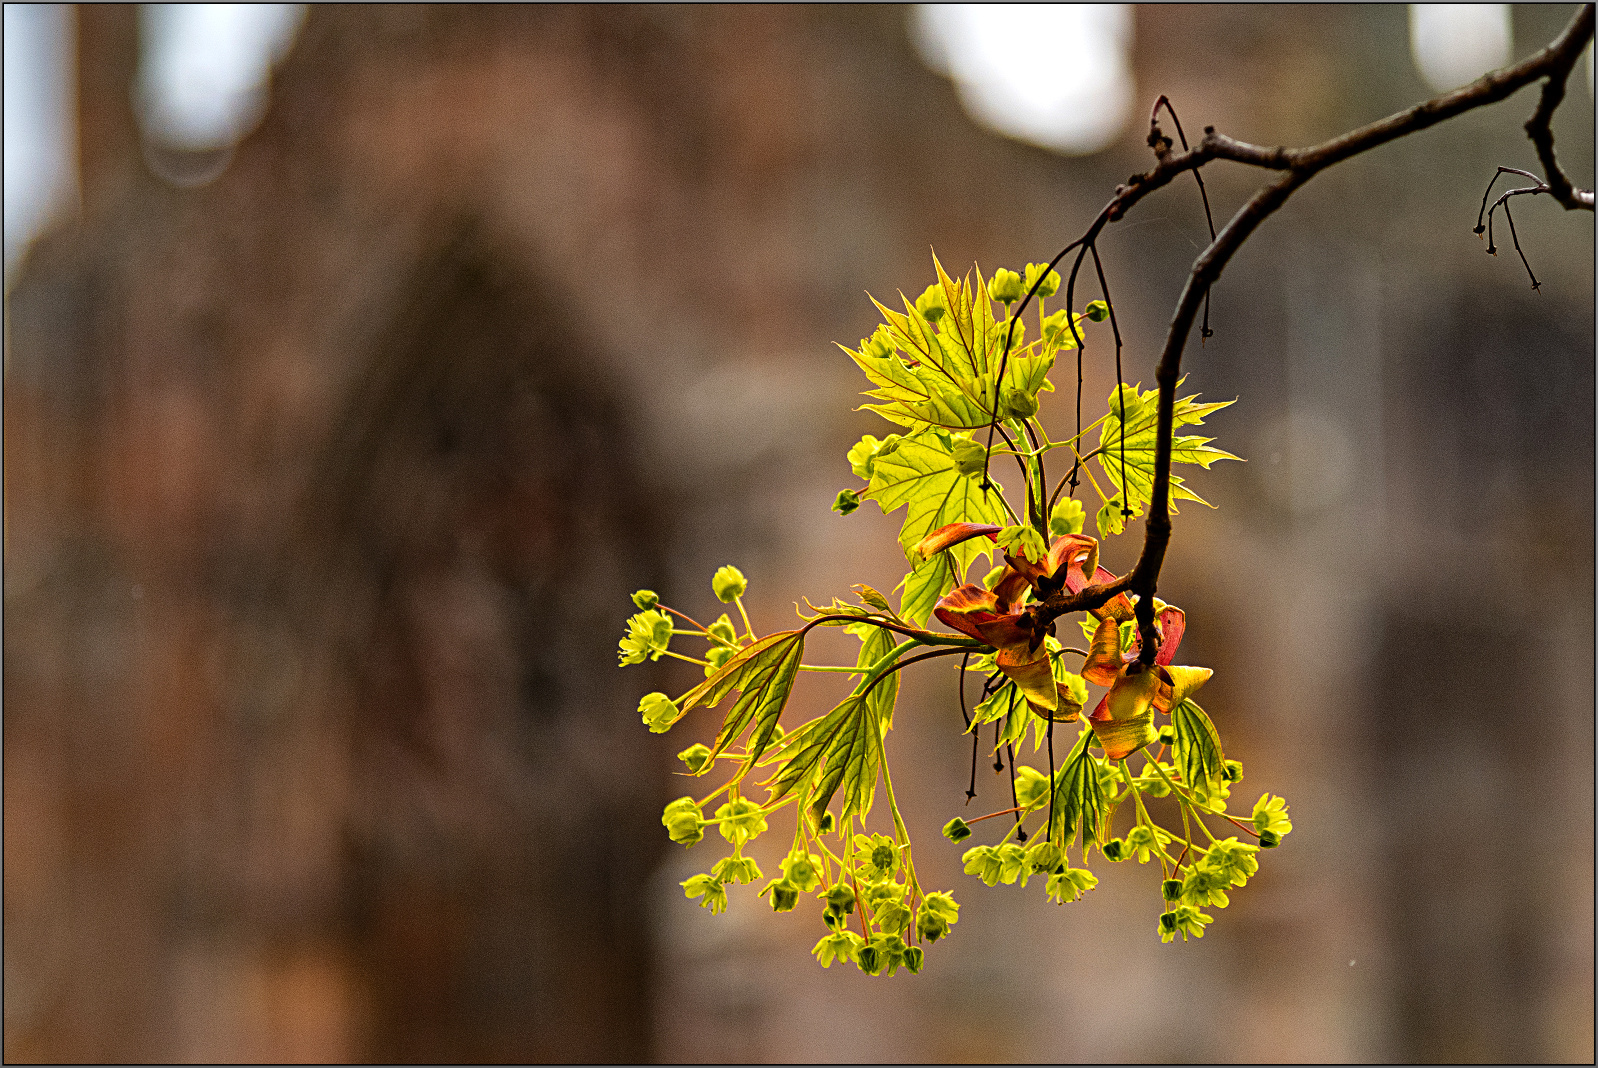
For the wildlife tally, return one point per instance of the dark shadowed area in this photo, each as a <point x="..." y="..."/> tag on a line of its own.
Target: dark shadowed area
<point x="326" y="482"/>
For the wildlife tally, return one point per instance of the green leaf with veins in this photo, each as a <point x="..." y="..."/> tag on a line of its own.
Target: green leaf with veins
<point x="841" y="745"/>
<point x="808" y="745"/>
<point x="943" y="375"/>
<point x="1007" y="705"/>
<point x="1078" y="795"/>
<point x="1197" y="748"/>
<point x="844" y="748"/>
<point x="877" y="644"/>
<point x="921" y="473"/>
<point x="1142" y="417"/>
<point x="923" y="586"/>
<point x="763" y="674"/>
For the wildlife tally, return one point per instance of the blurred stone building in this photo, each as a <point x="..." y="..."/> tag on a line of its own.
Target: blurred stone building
<point x="326" y="482"/>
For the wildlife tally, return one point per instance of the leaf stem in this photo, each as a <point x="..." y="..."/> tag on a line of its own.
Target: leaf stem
<point x="702" y="628"/>
<point x="925" y="637"/>
<point x="898" y="821"/>
<point x="739" y="601"/>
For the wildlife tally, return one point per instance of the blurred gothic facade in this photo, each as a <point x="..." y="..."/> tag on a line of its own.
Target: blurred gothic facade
<point x="326" y="482"/>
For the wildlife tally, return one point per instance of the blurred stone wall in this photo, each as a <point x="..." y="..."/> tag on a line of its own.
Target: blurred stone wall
<point x="326" y="483"/>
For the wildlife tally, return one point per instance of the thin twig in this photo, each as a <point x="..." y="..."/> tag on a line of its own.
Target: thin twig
<point x="1053" y="787"/>
<point x="1489" y="191"/>
<point x="906" y="662"/>
<point x="1515" y="239"/>
<point x="1120" y="384"/>
<point x="1020" y="835"/>
<point x="1204" y="329"/>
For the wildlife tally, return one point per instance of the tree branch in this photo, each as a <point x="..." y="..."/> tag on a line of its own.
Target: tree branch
<point x="1300" y="165"/>
<point x="1540" y="130"/>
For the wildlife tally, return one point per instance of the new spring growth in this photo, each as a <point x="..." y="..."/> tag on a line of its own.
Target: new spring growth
<point x="729" y="584"/>
<point x="685" y="823"/>
<point x="648" y="634"/>
<point x="1270" y="820"/>
<point x="659" y="712"/>
<point x="935" y="374"/>
<point x="696" y="757"/>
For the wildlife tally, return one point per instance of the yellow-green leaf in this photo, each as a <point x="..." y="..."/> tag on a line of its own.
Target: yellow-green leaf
<point x="1197" y="748"/>
<point x="1078" y="796"/>
<point x="763" y="674"/>
<point x="1134" y="457"/>
<point x="920" y="473"/>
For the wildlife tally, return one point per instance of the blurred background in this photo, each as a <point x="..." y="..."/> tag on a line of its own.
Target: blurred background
<point x="360" y="361"/>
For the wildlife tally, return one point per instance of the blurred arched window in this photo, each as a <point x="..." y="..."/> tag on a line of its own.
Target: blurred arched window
<point x="203" y="69"/>
<point x="1457" y="43"/>
<point x="1052" y="75"/>
<point x="41" y="176"/>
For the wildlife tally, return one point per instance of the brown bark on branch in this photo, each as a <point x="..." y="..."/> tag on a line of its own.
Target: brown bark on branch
<point x="1553" y="62"/>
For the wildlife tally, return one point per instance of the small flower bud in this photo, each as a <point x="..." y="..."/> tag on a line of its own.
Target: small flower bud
<point x="1270" y="817"/>
<point x="1115" y="849"/>
<point x="1270" y="839"/>
<point x="840" y="899"/>
<point x="1044" y="856"/>
<point x="658" y="711"/>
<point x="683" y="821"/>
<point x="1167" y="735"/>
<point x="783" y="896"/>
<point x="709" y="888"/>
<point x="1005" y="286"/>
<point x="1232" y="771"/>
<point x="723" y="629"/>
<point x="741" y="820"/>
<point x="969" y="457"/>
<point x="848" y="500"/>
<point x="717" y="658"/>
<point x="696" y="756"/>
<point x="802" y="871"/>
<point x="930" y="928"/>
<point x="1031" y="786"/>
<point x="1171" y="889"/>
<point x="645" y="599"/>
<point x="1097" y="311"/>
<point x="913" y="959"/>
<point x="1168" y="923"/>
<point x="1067" y="518"/>
<point x="736" y="869"/>
<point x="1051" y="281"/>
<point x="1017" y="404"/>
<point x="862" y="453"/>
<point x="957" y="830"/>
<point x="826" y="824"/>
<point x="932" y="303"/>
<point x="729" y="583"/>
<point x="879" y="344"/>
<point x="648" y="635"/>
<point x="870" y="960"/>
